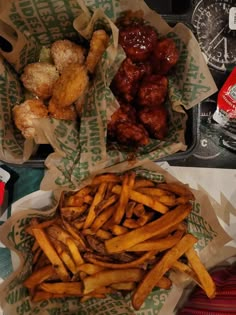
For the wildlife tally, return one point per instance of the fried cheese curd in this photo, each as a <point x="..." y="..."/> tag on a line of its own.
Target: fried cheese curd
<point x="142" y="83"/>
<point x="24" y="114"/>
<point x="39" y="78"/>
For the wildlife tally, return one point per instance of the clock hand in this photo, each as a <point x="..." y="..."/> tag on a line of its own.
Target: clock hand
<point x="226" y="49"/>
<point x="217" y="35"/>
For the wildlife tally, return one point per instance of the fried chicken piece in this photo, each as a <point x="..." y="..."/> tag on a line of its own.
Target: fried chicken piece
<point x="138" y="41"/>
<point x="126" y="81"/>
<point x="145" y="68"/>
<point x="155" y="121"/>
<point x="24" y="113"/>
<point x="39" y="78"/>
<point x="71" y="85"/>
<point x="66" y="113"/>
<point x="123" y="114"/>
<point x="152" y="91"/>
<point x="165" y="55"/>
<point x="64" y="52"/>
<point x="98" y="44"/>
<point x="128" y="133"/>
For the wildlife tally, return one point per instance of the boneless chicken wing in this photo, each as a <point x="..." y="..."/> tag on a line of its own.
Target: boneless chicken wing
<point x="155" y="121"/>
<point x="64" y="52"/>
<point x="126" y="81"/>
<point x="165" y="55"/>
<point x="39" y="78"/>
<point x="24" y="114"/>
<point x="64" y="113"/>
<point x="152" y="91"/>
<point x="138" y="41"/>
<point x="128" y="133"/>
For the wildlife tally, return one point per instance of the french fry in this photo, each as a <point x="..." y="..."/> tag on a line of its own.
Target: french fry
<point x="181" y="267"/>
<point x="42" y="295"/>
<point x="40" y="225"/>
<point x="102" y="218"/>
<point x="51" y="253"/>
<point x="104" y="235"/>
<point x="177" y="188"/>
<point x="127" y="286"/>
<point x="73" y="211"/>
<point x="127" y="185"/>
<point x="129" y="209"/>
<point x="83" y="192"/>
<point x="156" y="228"/>
<point x="119" y="229"/>
<point x="168" y="200"/>
<point x="90" y="269"/>
<point x="78" y="224"/>
<point x="112" y="178"/>
<point x="97" y="199"/>
<point x="37" y="253"/>
<point x="140" y="182"/>
<point x="74" y="251"/>
<point x="145" y="218"/>
<point x="205" y="279"/>
<point x="143" y="199"/>
<point x="153" y="191"/>
<point x="35" y="246"/>
<point x="105" y="203"/>
<point x="65" y="288"/>
<point x="93" y="259"/>
<point x="39" y="276"/>
<point x="108" y="277"/>
<point x="139" y="210"/>
<point x="92" y="296"/>
<point x="159" y="244"/>
<point x="154" y="275"/>
<point x="75" y="234"/>
<point x="130" y="224"/>
<point x="164" y="283"/>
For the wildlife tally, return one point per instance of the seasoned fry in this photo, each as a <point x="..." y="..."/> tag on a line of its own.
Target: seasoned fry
<point x="155" y="228"/>
<point x="74" y="251"/>
<point x="157" y="192"/>
<point x="159" y="244"/>
<point x="90" y="269"/>
<point x="108" y="178"/>
<point x="37" y="254"/>
<point x="108" y="277"/>
<point x="130" y="224"/>
<point x="97" y="199"/>
<point x="205" y="279"/>
<point x="178" y="189"/>
<point x="143" y="199"/>
<point x="139" y="210"/>
<point x="51" y="254"/>
<point x="135" y="263"/>
<point x="102" y="218"/>
<point x="145" y="218"/>
<point x="65" y="288"/>
<point x="168" y="200"/>
<point x="39" y="276"/>
<point x="105" y="235"/>
<point x="72" y="213"/>
<point x="105" y="204"/>
<point x="41" y="225"/>
<point x="129" y="209"/>
<point x="157" y="272"/>
<point x="164" y="283"/>
<point x="179" y="266"/>
<point x="42" y="295"/>
<point x="141" y="182"/>
<point x="118" y="229"/>
<point x="127" y="286"/>
<point x="75" y="234"/>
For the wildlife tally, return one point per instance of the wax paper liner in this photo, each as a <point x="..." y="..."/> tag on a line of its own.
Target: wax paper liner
<point x="202" y="222"/>
<point x="31" y="25"/>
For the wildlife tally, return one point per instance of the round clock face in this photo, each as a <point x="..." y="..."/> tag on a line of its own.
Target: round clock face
<point x="217" y="41"/>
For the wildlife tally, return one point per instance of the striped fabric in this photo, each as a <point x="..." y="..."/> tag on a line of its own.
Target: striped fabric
<point x="225" y="301"/>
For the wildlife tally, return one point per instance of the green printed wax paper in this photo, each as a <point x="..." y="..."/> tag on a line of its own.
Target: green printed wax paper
<point x="14" y="299"/>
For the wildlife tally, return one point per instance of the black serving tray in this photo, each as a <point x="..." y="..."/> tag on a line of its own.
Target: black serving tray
<point x="173" y="11"/>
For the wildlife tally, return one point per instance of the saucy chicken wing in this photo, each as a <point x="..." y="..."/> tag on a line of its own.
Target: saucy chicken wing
<point x="128" y="133"/>
<point x="165" y="55"/>
<point x="138" y="41"/>
<point x="126" y="81"/>
<point x="155" y="121"/>
<point x="152" y="91"/>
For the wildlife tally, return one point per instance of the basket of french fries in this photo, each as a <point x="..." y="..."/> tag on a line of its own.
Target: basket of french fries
<point x="122" y="243"/>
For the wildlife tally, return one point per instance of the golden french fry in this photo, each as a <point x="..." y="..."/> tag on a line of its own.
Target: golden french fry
<point x="75" y="234"/>
<point x="140" y="182"/>
<point x="73" y="210"/>
<point x="127" y="185"/>
<point x="179" y="266"/>
<point x="105" y="203"/>
<point x="143" y="199"/>
<point x="108" y="277"/>
<point x="51" y="253"/>
<point x="94" y="259"/>
<point x="161" y="226"/>
<point x="35" y="246"/>
<point x="113" y="178"/>
<point x="102" y="218"/>
<point x="129" y="209"/>
<point x="92" y="296"/>
<point x="65" y="288"/>
<point x="104" y="235"/>
<point x="78" y="224"/>
<point x="145" y="218"/>
<point x="153" y="191"/>
<point x="97" y="199"/>
<point x="159" y="244"/>
<point x="164" y="283"/>
<point x="74" y="251"/>
<point x="139" y="210"/>
<point x="118" y="229"/>
<point x="183" y="199"/>
<point x="39" y="276"/>
<point x="130" y="224"/>
<point x="127" y="286"/>
<point x="37" y="254"/>
<point x="168" y="200"/>
<point x="90" y="269"/>
<point x="42" y="295"/>
<point x="41" y="225"/>
<point x="177" y="189"/>
<point x="204" y="277"/>
<point x="153" y="276"/>
<point x="64" y="255"/>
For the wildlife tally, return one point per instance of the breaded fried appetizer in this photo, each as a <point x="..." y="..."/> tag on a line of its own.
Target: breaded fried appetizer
<point x="71" y="85"/>
<point x="39" y="78"/>
<point x="24" y="113"/>
<point x="64" y="52"/>
<point x="66" y="113"/>
<point x="98" y="45"/>
<point x="128" y="133"/>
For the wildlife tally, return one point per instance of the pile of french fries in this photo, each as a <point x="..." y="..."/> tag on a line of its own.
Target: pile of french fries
<point x="120" y="233"/>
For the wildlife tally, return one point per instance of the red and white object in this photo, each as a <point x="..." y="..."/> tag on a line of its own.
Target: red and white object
<point x="4" y="177"/>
